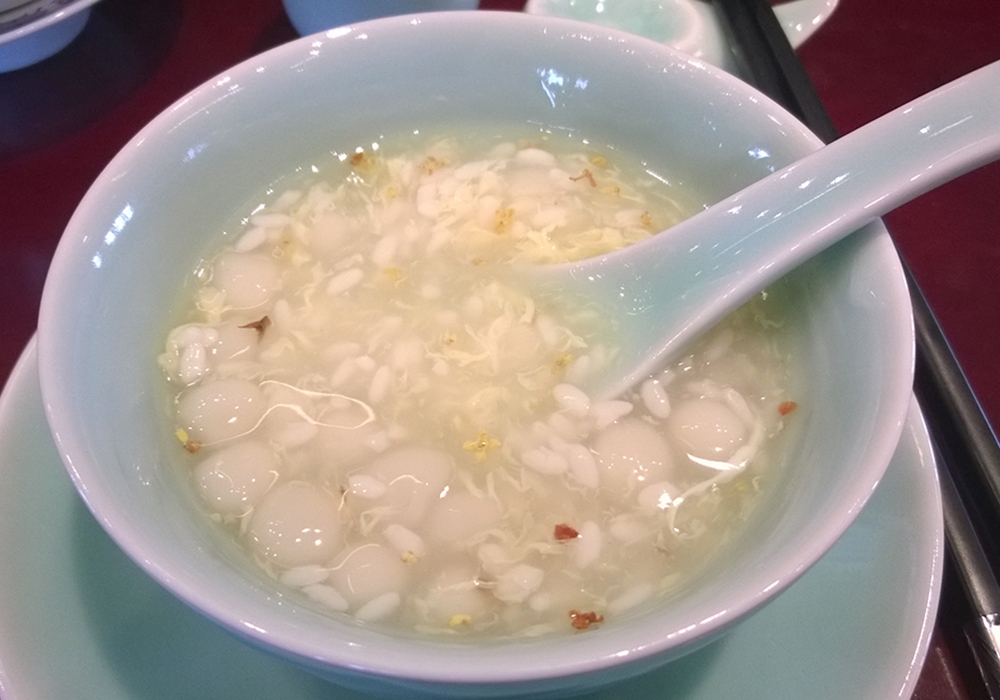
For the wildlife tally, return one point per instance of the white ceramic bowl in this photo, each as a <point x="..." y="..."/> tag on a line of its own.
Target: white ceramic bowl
<point x="144" y="223"/>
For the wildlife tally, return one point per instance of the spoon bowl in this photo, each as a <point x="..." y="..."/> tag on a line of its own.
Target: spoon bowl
<point x="663" y="292"/>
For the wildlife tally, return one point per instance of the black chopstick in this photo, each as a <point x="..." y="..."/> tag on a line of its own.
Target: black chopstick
<point x="967" y="451"/>
<point x="981" y="589"/>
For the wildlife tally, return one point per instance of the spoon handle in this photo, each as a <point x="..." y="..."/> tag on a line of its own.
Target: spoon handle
<point x="691" y="275"/>
<point x="966" y="447"/>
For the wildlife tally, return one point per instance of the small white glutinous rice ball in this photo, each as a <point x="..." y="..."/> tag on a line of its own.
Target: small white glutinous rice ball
<point x="220" y="410"/>
<point x="235" y="342"/>
<point x="346" y="437"/>
<point x="706" y="428"/>
<point x="631" y="454"/>
<point x="233" y="479"/>
<point x="518" y="582"/>
<point x="294" y="525"/>
<point x="248" y="280"/>
<point x="369" y="571"/>
<point x="414" y="478"/>
<point x="455" y="598"/>
<point x="460" y="515"/>
<point x="408" y="544"/>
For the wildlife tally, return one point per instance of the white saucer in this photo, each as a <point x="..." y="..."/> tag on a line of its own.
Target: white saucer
<point x="79" y="620"/>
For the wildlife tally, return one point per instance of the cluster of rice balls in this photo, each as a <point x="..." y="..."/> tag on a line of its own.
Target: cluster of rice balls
<point x="388" y="426"/>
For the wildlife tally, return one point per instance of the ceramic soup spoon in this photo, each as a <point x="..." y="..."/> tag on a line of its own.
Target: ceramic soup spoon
<point x="666" y="290"/>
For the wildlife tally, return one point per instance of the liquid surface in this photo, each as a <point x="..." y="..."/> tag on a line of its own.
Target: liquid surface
<point x="390" y="426"/>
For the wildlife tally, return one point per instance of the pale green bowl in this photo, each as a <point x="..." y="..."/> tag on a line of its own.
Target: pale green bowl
<point x="143" y="224"/>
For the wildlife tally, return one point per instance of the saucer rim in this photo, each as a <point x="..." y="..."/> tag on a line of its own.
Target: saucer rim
<point x="928" y="533"/>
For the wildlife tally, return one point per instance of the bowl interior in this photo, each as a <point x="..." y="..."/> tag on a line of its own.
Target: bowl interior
<point x="142" y="227"/>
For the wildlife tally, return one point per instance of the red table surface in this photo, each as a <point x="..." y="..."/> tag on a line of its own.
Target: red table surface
<point x="62" y="120"/>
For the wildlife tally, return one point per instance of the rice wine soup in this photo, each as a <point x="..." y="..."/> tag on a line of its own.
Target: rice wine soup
<point x="385" y="423"/>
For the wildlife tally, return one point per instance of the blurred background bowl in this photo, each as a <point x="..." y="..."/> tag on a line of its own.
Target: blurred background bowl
<point x="311" y="16"/>
<point x="32" y="31"/>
